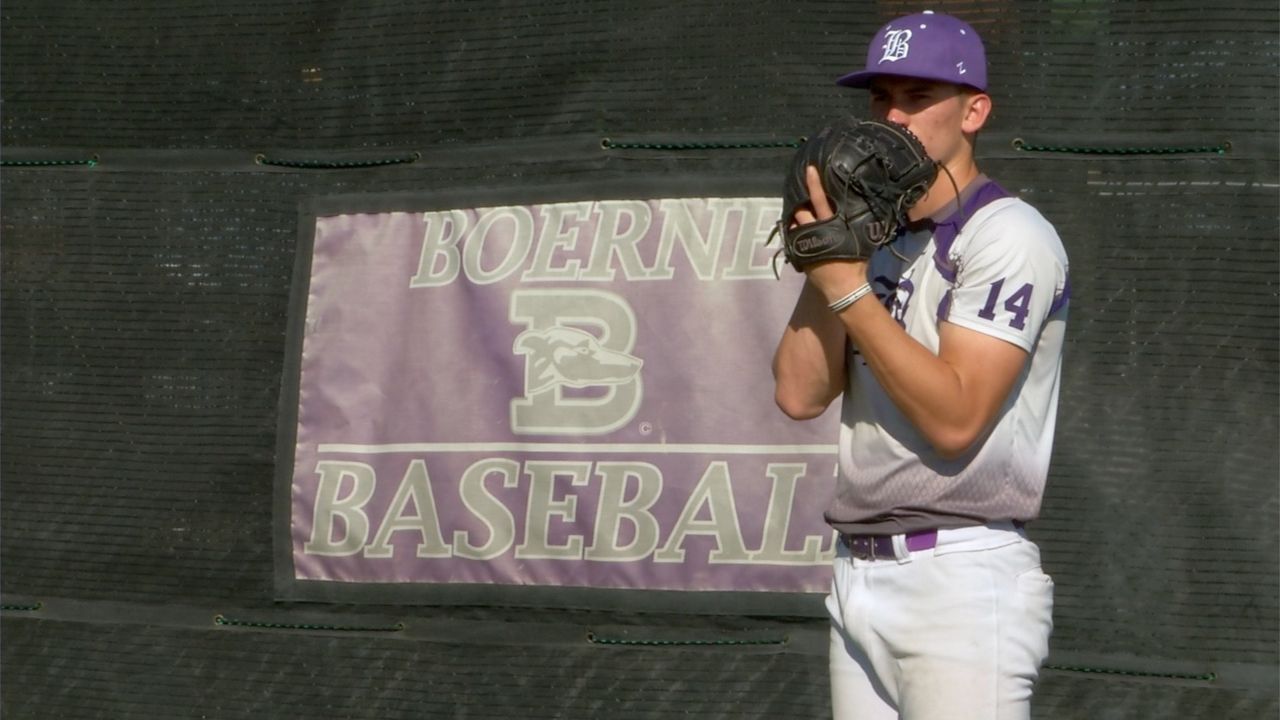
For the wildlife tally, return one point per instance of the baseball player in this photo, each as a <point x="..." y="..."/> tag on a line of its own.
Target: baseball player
<point x="947" y="348"/>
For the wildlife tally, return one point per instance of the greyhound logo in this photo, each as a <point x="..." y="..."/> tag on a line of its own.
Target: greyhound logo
<point x="897" y="43"/>
<point x="565" y="356"/>
<point x="580" y="376"/>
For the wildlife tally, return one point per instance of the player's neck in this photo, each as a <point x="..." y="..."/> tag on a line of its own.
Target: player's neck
<point x="944" y="191"/>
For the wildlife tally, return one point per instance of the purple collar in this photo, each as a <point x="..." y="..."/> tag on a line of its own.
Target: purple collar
<point x="982" y="191"/>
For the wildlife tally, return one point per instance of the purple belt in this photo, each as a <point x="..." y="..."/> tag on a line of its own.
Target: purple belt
<point x="872" y="547"/>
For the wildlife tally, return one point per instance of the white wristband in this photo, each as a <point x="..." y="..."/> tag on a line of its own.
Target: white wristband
<point x="851" y="298"/>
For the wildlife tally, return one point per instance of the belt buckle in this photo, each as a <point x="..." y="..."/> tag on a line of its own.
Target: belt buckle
<point x="861" y="547"/>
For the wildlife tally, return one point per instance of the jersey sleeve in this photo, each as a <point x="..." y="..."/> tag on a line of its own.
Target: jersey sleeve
<point x="1011" y="275"/>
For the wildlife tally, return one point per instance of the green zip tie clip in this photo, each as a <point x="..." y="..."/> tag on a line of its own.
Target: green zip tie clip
<point x="262" y="159"/>
<point x="232" y="622"/>
<point x="1207" y="677"/>
<point x="90" y="162"/>
<point x="609" y="144"/>
<point x="1023" y="146"/>
<point x="598" y="640"/>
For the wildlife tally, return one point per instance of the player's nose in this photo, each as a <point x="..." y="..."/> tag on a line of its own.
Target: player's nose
<point x="897" y="116"/>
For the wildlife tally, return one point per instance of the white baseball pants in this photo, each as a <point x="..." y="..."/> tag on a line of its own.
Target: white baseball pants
<point x="957" y="632"/>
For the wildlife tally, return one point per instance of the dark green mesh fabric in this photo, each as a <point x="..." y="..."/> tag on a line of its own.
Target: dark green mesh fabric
<point x="147" y="257"/>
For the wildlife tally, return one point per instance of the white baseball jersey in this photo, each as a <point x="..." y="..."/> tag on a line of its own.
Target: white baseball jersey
<point x="997" y="267"/>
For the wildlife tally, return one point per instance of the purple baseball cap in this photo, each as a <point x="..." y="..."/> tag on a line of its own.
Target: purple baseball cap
<point x="927" y="45"/>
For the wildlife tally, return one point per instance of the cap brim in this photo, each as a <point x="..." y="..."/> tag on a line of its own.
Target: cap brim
<point x="863" y="78"/>
<point x="860" y="79"/>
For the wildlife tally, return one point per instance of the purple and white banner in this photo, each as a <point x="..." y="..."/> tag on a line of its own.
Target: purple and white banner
<point x="571" y="394"/>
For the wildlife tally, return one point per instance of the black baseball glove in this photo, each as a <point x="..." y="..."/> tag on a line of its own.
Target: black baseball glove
<point x="872" y="172"/>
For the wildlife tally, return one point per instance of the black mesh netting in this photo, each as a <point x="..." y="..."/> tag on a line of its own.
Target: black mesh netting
<point x="144" y="306"/>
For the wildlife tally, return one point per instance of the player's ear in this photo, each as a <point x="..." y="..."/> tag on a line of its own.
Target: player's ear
<point x="977" y="108"/>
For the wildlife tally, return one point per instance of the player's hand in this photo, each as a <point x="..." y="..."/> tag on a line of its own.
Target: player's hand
<point x="820" y="208"/>
<point x="833" y="279"/>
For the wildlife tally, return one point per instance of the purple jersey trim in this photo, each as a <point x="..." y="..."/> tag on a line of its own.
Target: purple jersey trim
<point x="946" y="230"/>
<point x="1062" y="299"/>
<point x="944" y="307"/>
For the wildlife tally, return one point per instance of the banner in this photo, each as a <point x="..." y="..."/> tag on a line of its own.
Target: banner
<point x="567" y="394"/>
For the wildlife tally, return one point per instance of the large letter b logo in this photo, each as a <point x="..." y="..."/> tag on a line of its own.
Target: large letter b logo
<point x="561" y="353"/>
